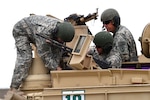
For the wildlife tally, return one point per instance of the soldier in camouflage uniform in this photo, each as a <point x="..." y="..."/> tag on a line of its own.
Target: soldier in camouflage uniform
<point x="24" y="33"/>
<point x="102" y="53"/>
<point x="123" y="40"/>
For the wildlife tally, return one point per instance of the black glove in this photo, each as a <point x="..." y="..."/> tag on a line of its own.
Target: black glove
<point x="103" y="64"/>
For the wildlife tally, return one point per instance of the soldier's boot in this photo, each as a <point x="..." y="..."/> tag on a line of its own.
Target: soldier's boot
<point x="14" y="95"/>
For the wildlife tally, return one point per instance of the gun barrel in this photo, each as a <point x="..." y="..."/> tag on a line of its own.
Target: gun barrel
<point x="57" y="44"/>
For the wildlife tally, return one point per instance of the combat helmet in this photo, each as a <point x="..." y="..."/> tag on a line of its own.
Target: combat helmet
<point x="111" y="14"/>
<point x="65" y="31"/>
<point x="103" y="40"/>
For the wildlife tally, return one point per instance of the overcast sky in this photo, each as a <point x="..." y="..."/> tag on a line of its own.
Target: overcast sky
<point x="134" y="15"/>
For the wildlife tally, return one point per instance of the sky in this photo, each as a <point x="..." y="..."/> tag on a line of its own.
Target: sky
<point x="134" y="15"/>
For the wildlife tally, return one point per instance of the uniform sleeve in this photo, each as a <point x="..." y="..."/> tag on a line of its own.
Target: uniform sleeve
<point x="120" y="45"/>
<point x="50" y="54"/>
<point x="52" y="58"/>
<point x="115" y="60"/>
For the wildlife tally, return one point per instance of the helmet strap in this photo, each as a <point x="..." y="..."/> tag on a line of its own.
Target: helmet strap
<point x="54" y="32"/>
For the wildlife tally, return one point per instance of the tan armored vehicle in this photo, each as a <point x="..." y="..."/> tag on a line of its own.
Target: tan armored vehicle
<point x="87" y="81"/>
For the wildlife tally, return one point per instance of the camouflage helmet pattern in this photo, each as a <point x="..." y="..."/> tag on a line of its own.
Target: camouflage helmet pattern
<point x="65" y="31"/>
<point x="103" y="39"/>
<point x="109" y="14"/>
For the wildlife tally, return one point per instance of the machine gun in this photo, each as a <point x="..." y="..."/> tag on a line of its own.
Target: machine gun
<point x="57" y="44"/>
<point x="76" y="19"/>
<point x="65" y="54"/>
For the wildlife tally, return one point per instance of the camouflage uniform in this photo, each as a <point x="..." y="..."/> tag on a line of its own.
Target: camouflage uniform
<point x="24" y="34"/>
<point x="113" y="58"/>
<point x="125" y="44"/>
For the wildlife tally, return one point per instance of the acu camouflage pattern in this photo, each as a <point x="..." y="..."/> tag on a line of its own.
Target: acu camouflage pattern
<point x="113" y="58"/>
<point x="24" y="34"/>
<point x="125" y="44"/>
